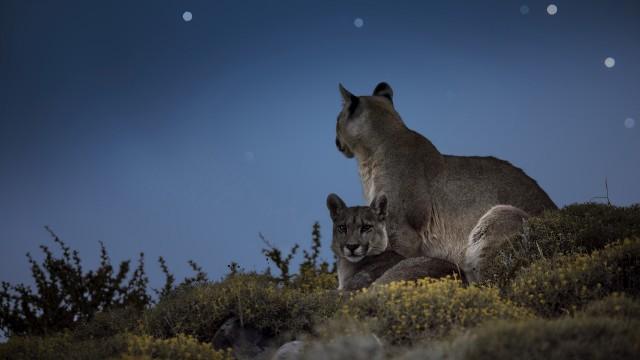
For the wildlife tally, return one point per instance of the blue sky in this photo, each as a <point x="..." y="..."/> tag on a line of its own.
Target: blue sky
<point x="121" y="122"/>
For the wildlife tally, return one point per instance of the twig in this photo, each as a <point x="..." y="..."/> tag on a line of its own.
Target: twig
<point x="606" y="186"/>
<point x="539" y="250"/>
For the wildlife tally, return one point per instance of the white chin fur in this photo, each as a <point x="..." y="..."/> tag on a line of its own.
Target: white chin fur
<point x="354" y="259"/>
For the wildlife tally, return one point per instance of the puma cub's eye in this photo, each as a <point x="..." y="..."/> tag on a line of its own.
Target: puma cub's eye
<point x="342" y="228"/>
<point x="366" y="228"/>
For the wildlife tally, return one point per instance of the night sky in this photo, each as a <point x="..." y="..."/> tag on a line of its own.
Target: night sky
<point x="122" y="122"/>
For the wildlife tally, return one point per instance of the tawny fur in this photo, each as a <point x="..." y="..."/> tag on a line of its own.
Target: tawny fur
<point x="435" y="200"/>
<point x="499" y="224"/>
<point x="380" y="265"/>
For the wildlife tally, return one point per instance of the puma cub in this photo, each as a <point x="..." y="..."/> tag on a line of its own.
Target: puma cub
<point x="360" y="243"/>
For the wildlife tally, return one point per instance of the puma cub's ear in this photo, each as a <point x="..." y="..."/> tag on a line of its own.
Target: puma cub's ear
<point x="335" y="205"/>
<point x="383" y="89"/>
<point x="379" y="205"/>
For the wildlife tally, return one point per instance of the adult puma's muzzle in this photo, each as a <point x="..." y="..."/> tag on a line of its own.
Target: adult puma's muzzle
<point x="343" y="149"/>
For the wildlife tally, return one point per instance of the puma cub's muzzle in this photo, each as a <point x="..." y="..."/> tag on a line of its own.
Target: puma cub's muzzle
<point x="354" y="252"/>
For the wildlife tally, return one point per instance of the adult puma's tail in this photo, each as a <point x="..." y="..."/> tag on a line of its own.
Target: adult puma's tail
<point x="497" y="225"/>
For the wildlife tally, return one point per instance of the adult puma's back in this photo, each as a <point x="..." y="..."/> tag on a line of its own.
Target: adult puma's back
<point x="469" y="187"/>
<point x="435" y="200"/>
<point x="474" y="181"/>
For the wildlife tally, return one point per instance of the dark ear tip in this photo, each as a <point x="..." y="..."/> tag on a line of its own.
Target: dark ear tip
<point x="334" y="199"/>
<point x="383" y="89"/>
<point x="382" y="85"/>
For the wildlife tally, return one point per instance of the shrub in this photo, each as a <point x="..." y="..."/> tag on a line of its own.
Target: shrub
<point x="614" y="306"/>
<point x="578" y="228"/>
<point x="568" y="338"/>
<point x="406" y="311"/>
<point x="582" y="228"/>
<point x="66" y="294"/>
<point x="313" y="274"/>
<point x="179" y="347"/>
<point x="258" y="301"/>
<point x="61" y="346"/>
<point x="568" y="283"/>
<point x="109" y="323"/>
<point x="122" y="346"/>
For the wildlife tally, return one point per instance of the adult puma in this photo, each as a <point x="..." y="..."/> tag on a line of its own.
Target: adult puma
<point x="435" y="200"/>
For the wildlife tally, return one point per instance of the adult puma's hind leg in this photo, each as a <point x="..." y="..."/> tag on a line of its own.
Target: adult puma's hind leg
<point x="500" y="223"/>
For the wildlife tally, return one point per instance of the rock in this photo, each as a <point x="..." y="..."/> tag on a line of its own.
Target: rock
<point x="352" y="347"/>
<point x="289" y="351"/>
<point x="246" y="342"/>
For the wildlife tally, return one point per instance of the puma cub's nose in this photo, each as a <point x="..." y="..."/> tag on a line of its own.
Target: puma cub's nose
<point x="352" y="247"/>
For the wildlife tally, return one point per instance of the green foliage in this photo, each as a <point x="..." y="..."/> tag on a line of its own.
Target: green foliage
<point x="312" y="273"/>
<point x="569" y="261"/>
<point x="406" y="312"/>
<point x="199" y="278"/>
<point x="569" y="338"/>
<point x="311" y="258"/>
<point x="274" y="255"/>
<point x="102" y="303"/>
<point x="62" y="346"/>
<point x="169" y="279"/>
<point x="109" y="323"/>
<point x="568" y="283"/>
<point x="578" y="228"/>
<point x="315" y="274"/>
<point x="258" y="301"/>
<point x="66" y="294"/>
<point x="121" y="346"/>
<point x="275" y="305"/>
<point x="179" y="347"/>
<point x="616" y="305"/>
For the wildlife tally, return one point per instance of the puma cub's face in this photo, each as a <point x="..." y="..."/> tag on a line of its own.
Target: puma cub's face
<point x="358" y="231"/>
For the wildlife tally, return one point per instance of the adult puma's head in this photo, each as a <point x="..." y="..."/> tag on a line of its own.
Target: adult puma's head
<point x="365" y="118"/>
<point x="358" y="231"/>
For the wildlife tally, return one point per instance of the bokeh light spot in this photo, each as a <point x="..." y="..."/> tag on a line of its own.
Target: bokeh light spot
<point x="609" y="62"/>
<point x="629" y="123"/>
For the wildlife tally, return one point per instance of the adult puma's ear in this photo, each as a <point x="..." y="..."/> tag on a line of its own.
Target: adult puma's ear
<point x="383" y="89"/>
<point x="335" y="205"/>
<point x="348" y="98"/>
<point x="379" y="205"/>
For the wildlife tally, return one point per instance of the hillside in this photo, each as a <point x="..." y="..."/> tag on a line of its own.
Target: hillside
<point x="568" y="287"/>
